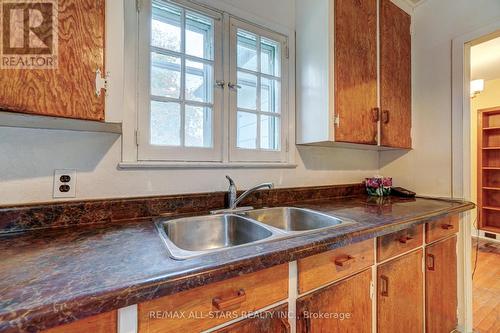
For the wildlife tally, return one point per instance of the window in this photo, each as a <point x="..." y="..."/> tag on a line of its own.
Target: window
<point x="183" y="113"/>
<point x="257" y="128"/>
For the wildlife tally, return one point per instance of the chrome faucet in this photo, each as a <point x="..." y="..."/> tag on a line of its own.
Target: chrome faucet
<point x="233" y="200"/>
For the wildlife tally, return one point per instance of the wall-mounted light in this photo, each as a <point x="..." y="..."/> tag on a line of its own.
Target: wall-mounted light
<point x="476" y="87"/>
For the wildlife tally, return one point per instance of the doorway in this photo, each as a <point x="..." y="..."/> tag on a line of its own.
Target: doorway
<point x="476" y="171"/>
<point x="485" y="181"/>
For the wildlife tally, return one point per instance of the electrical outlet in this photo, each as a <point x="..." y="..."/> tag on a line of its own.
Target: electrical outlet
<point x="65" y="183"/>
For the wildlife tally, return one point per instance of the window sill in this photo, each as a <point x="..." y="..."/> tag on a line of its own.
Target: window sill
<point x="204" y="165"/>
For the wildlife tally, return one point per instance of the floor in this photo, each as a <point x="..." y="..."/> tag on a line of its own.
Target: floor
<point x="486" y="287"/>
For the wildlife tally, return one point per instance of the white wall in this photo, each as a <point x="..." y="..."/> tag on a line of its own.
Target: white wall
<point x="427" y="168"/>
<point x="28" y="157"/>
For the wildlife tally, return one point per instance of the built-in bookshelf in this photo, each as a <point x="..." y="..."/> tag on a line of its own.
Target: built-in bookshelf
<point x="488" y="169"/>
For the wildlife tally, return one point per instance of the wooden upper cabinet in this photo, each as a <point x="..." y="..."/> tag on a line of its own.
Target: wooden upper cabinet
<point x="68" y="88"/>
<point x="356" y="71"/>
<point x="400" y="295"/>
<point x="353" y="74"/>
<point x="349" y="297"/>
<point x="395" y="76"/>
<point x="441" y="286"/>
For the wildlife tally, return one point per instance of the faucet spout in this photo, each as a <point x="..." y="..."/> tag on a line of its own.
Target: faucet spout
<point x="250" y="191"/>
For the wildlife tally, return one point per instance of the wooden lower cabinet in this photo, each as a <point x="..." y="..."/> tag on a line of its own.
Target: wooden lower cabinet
<point x="441" y="286"/>
<point x="400" y="295"/>
<point x="103" y="323"/>
<point x="343" y="307"/>
<point x="205" y="307"/>
<point x="270" y="321"/>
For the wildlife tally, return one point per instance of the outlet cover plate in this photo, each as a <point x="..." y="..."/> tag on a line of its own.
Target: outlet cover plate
<point x="58" y="183"/>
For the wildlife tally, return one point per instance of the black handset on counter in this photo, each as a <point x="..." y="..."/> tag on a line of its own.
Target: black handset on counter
<point x="402" y="192"/>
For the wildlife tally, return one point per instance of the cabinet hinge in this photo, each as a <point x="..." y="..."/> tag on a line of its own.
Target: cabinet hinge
<point x="336" y="120"/>
<point x="287" y="52"/>
<point x="101" y="82"/>
<point x="138" y="5"/>
<point x="137" y="137"/>
<point x="287" y="145"/>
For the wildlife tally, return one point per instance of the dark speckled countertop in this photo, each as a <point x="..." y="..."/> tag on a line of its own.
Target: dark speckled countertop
<point x="53" y="276"/>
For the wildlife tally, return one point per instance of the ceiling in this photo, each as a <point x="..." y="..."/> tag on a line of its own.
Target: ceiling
<point x="485" y="60"/>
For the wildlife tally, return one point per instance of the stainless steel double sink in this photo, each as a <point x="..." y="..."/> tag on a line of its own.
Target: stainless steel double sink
<point x="194" y="236"/>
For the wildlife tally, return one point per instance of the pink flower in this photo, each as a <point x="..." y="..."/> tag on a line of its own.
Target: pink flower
<point x="373" y="182"/>
<point x="387" y="182"/>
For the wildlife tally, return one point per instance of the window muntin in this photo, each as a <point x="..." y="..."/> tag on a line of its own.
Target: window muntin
<point x="182" y="77"/>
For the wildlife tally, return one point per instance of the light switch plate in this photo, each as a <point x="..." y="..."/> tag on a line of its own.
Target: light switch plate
<point x="64" y="183"/>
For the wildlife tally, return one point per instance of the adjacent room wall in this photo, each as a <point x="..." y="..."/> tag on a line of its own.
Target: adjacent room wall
<point x="427" y="168"/>
<point x="28" y="157"/>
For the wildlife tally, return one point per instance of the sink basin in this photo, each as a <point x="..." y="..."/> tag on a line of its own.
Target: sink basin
<point x="292" y="219"/>
<point x="194" y="236"/>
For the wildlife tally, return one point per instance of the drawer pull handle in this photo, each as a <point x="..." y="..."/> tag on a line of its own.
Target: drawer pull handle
<point x="447" y="226"/>
<point x="384" y="286"/>
<point x="431" y="262"/>
<point x="229" y="303"/>
<point x="405" y="239"/>
<point x="344" y="260"/>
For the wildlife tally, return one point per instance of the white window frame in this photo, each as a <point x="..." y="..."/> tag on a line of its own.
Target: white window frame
<point x="148" y="152"/>
<point x="257" y="155"/>
<point x="224" y="153"/>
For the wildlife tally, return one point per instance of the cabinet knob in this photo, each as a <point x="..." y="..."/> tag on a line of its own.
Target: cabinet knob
<point x="385" y="116"/>
<point x="447" y="226"/>
<point x="431" y="262"/>
<point x="384" y="286"/>
<point x="229" y="303"/>
<point x="344" y="260"/>
<point x="376" y="114"/>
<point x="405" y="239"/>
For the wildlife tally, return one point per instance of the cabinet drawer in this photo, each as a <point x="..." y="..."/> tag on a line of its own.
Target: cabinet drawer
<point x="442" y="228"/>
<point x="271" y="321"/>
<point x="103" y="323"/>
<point x="399" y="242"/>
<point x="204" y="307"/>
<point x="323" y="268"/>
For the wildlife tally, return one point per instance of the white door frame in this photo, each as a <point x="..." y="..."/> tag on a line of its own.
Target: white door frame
<point x="461" y="161"/>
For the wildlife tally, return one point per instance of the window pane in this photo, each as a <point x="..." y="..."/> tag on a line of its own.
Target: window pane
<point x="246" y="130"/>
<point x="269" y="95"/>
<point x="269" y="132"/>
<point x="199" y="36"/>
<point x="247" y="50"/>
<point x="270" y="57"/>
<point x="198" y="126"/>
<point x="165" y="75"/>
<point x="247" y="93"/>
<point x="199" y="82"/>
<point x="166" y="26"/>
<point x="165" y="124"/>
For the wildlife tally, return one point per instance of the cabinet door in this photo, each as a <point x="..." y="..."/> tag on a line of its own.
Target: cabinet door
<point x="68" y="88"/>
<point x="274" y="320"/>
<point x="355" y="71"/>
<point x="441" y="286"/>
<point x="344" y="307"/>
<point x="400" y="295"/>
<point x="395" y="76"/>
